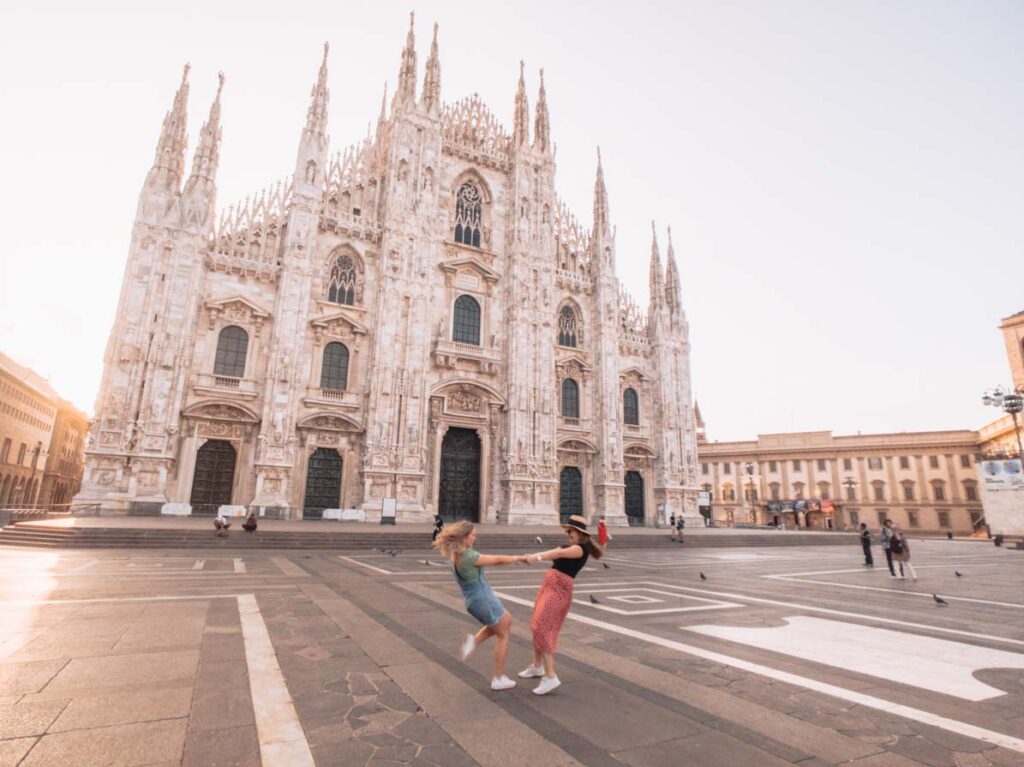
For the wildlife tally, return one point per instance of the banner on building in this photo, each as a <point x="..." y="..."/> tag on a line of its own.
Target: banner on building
<point x="1004" y="474"/>
<point x="703" y="498"/>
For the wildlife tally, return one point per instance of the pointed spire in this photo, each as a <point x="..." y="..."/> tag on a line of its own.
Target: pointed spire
<point x="542" y="123"/>
<point x="673" y="297"/>
<point x="602" y="225"/>
<point x="656" y="288"/>
<point x="383" y="117"/>
<point x="204" y="164"/>
<point x="521" y="120"/>
<point x="319" y="97"/>
<point x="170" y="149"/>
<point x="431" y="99"/>
<point x="406" y="93"/>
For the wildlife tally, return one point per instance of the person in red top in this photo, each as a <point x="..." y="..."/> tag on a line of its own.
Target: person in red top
<point x="602" y="533"/>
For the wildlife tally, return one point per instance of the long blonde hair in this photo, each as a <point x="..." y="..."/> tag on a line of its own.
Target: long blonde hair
<point x="451" y="539"/>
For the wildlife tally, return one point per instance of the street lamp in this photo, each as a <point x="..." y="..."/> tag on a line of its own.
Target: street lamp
<point x="849" y="484"/>
<point x="751" y="508"/>
<point x="1010" y="401"/>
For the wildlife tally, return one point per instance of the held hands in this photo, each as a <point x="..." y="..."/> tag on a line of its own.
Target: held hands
<point x="523" y="559"/>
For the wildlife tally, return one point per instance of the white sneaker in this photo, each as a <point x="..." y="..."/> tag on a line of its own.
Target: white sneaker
<point x="547" y="684"/>
<point x="531" y="671"/>
<point x="502" y="683"/>
<point x="468" y="646"/>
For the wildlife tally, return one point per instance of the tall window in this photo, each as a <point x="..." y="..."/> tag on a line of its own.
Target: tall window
<point x="933" y="461"/>
<point x="703" y="468"/>
<point x="567" y="327"/>
<point x="570" y="399"/>
<point x="908" y="491"/>
<point x="630" y="407"/>
<point x="341" y="285"/>
<point x="943" y="519"/>
<point x="904" y="462"/>
<point x="939" y="490"/>
<point x="970" y="492"/>
<point x="879" y="488"/>
<point x="773" y="490"/>
<point x="965" y="461"/>
<point x="798" y="490"/>
<point x="5" y="451"/>
<point x="821" y="464"/>
<point x="875" y="462"/>
<point x="232" y="345"/>
<point x="467" y="215"/>
<point x="334" y="370"/>
<point x="773" y="466"/>
<point x="466" y="321"/>
<point x="847" y="464"/>
<point x="851" y="492"/>
<point x="797" y="466"/>
<point x="824" y="491"/>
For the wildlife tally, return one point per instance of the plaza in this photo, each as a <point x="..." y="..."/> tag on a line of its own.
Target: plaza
<point x="784" y="655"/>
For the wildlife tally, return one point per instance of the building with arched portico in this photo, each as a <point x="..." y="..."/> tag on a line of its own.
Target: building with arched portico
<point x="417" y="317"/>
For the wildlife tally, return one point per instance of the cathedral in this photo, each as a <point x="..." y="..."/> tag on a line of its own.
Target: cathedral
<point x="415" y="324"/>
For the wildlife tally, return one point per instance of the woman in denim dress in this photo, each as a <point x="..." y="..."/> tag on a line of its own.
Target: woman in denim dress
<point x="455" y="542"/>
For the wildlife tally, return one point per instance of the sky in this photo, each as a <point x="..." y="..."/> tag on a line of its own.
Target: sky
<point x="843" y="179"/>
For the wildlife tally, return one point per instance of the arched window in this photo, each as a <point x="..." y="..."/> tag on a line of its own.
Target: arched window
<point x="468" y="204"/>
<point x="334" y="370"/>
<point x="567" y="327"/>
<point x="232" y="345"/>
<point x="824" y="491"/>
<point x="630" y="407"/>
<point x="341" y="286"/>
<point x="570" y="399"/>
<point x="466" y="321"/>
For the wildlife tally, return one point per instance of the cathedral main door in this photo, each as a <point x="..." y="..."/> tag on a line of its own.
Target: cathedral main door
<point x="634" y="499"/>
<point x="570" y="493"/>
<point x="323" y="483"/>
<point x="214" y="477"/>
<point x="459" y="484"/>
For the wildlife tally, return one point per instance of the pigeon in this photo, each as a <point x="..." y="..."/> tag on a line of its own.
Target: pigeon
<point x="538" y="539"/>
<point x="939" y="600"/>
<point x="703" y="577"/>
<point x="426" y="563"/>
<point x="393" y="553"/>
<point x="958" y="574"/>
<point x="594" y="599"/>
<point x="606" y="566"/>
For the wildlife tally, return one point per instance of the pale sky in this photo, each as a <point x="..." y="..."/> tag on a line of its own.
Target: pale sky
<point x="843" y="179"/>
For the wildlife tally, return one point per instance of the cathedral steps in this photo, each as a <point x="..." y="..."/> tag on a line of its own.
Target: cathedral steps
<point x="44" y="536"/>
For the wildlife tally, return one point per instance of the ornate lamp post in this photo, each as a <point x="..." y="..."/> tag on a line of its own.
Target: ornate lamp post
<point x="751" y="510"/>
<point x="1011" y="402"/>
<point x="849" y="484"/>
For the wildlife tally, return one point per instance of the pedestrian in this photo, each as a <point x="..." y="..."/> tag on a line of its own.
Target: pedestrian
<point x="672" y="526"/>
<point x="555" y="598"/>
<point x="455" y="542"/>
<point x="680" y="524"/>
<point x="901" y="551"/>
<point x="886" y="536"/>
<point x="602" y="533"/>
<point x="865" y="542"/>
<point x="221" y="525"/>
<point x="250" y="523"/>
<point x="438" y="526"/>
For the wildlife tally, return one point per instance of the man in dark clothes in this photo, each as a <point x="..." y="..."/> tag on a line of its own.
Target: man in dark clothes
<point x="865" y="542"/>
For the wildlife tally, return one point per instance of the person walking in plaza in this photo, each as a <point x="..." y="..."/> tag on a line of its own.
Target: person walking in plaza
<point x="602" y="533"/>
<point x="438" y="526"/>
<point x="555" y="598"/>
<point x="900" y="547"/>
<point x="886" y="536"/>
<point x="672" y="526"/>
<point x="865" y="542"/>
<point x="456" y="542"/>
<point x="680" y="526"/>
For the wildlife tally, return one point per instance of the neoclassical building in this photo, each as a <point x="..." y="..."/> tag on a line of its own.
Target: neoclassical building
<point x="417" y="317"/>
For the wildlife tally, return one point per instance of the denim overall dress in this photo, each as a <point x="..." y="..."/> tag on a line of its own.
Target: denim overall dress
<point x="476" y="591"/>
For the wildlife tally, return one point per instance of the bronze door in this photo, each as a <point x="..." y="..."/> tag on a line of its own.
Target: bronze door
<point x="214" y="477"/>
<point x="634" y="499"/>
<point x="323" y="483"/>
<point x="570" y="493"/>
<point x="459" y="485"/>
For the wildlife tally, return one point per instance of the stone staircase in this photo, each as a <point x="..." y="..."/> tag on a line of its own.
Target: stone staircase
<point x="322" y="537"/>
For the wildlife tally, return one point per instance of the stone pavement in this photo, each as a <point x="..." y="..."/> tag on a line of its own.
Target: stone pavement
<point x="334" y="658"/>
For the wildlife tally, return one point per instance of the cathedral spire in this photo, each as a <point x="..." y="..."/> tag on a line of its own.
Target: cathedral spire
<point x="431" y="98"/>
<point x="656" y="283"/>
<point x="602" y="226"/>
<point x="521" y="121"/>
<point x="406" y="93"/>
<point x="319" y="97"/>
<point x="382" y="119"/>
<point x="542" y="123"/>
<point x="170" y="149"/>
<point x="204" y="164"/>
<point x="673" y="298"/>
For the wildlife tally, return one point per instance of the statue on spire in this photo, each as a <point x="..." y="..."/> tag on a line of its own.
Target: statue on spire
<point x="521" y="120"/>
<point x="319" y="98"/>
<point x="602" y="224"/>
<point x="431" y="98"/>
<point x="405" y="95"/>
<point x="542" y="123"/>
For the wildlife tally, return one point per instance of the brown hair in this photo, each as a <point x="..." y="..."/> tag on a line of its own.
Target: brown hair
<point x="451" y="538"/>
<point x="587" y="544"/>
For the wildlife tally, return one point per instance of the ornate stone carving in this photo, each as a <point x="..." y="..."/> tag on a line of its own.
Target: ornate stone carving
<point x="464" y="401"/>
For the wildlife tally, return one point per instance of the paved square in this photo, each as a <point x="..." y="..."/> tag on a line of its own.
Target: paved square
<point x="782" y="656"/>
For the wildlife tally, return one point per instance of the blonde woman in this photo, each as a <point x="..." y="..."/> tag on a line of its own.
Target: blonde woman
<point x="900" y="548"/>
<point x="455" y="542"/>
<point x="555" y="598"/>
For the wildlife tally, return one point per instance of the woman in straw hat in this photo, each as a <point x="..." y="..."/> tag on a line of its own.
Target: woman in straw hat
<point x="555" y="598"/>
<point x="455" y="542"/>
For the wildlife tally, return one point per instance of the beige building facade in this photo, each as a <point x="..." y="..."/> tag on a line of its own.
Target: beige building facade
<point x="921" y="480"/>
<point x="418" y="317"/>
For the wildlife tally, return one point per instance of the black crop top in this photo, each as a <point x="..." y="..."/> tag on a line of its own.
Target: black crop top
<point x="571" y="567"/>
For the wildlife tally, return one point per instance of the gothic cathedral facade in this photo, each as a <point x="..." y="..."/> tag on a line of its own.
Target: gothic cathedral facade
<point x="418" y="318"/>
